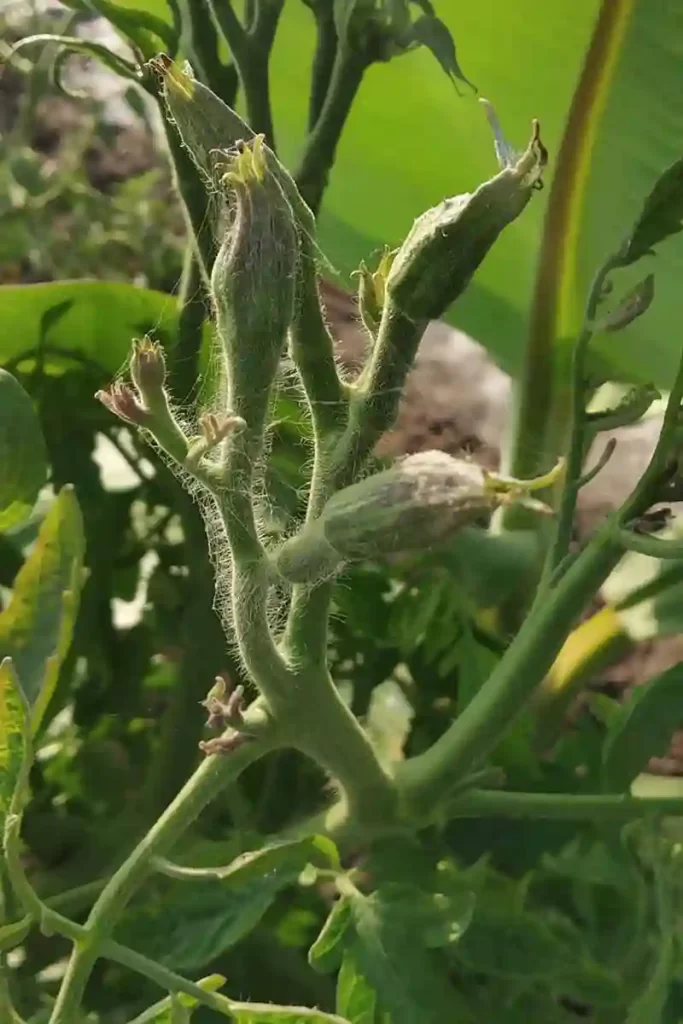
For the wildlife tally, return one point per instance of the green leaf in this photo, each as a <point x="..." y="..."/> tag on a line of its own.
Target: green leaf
<point x="23" y="455"/>
<point x="96" y="329"/>
<point x="192" y="924"/>
<point x="14" y="737"/>
<point x="436" y="36"/>
<point x="37" y="625"/>
<point x="407" y="981"/>
<point x="326" y="952"/>
<point x="161" y="1012"/>
<point x="661" y="217"/>
<point x="511" y="944"/>
<point x="643" y="728"/>
<point x="356" y="1000"/>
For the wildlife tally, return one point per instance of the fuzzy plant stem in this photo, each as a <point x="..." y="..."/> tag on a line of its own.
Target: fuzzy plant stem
<point x="476" y="732"/>
<point x="213" y="775"/>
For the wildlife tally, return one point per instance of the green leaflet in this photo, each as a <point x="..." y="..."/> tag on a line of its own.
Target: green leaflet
<point x="23" y="456"/>
<point x="642" y="729"/>
<point x="14" y="738"/>
<point x="356" y="999"/>
<point x="326" y="952"/>
<point x="37" y="625"/>
<point x="408" y="983"/>
<point x="187" y="926"/>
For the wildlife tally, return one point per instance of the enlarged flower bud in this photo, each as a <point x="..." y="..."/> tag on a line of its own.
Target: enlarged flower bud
<point x="417" y="503"/>
<point x="253" y="280"/>
<point x="447" y="243"/>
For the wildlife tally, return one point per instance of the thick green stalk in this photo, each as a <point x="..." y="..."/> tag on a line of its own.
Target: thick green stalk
<point x="195" y="200"/>
<point x="323" y="60"/>
<point x="489" y="803"/>
<point x="321" y="146"/>
<point x="203" y="44"/>
<point x="213" y="775"/>
<point x="577" y="440"/>
<point x="552" y="315"/>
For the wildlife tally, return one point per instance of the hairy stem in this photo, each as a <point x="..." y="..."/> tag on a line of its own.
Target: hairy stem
<point x="213" y="775"/>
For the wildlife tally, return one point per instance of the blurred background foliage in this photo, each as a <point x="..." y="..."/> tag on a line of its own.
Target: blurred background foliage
<point x="568" y="925"/>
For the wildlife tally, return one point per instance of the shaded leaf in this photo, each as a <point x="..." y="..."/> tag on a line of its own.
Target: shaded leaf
<point x="37" y="625"/>
<point x="326" y="952"/>
<point x="356" y="1000"/>
<point x="191" y="924"/>
<point x="643" y="728"/>
<point x="23" y="455"/>
<point x="508" y="944"/>
<point x="633" y="305"/>
<point x="408" y="983"/>
<point x="661" y="217"/>
<point x="431" y="32"/>
<point x="14" y="735"/>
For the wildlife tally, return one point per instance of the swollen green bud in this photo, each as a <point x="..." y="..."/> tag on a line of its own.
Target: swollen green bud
<point x="253" y="280"/>
<point x="447" y="243"/>
<point x="417" y="503"/>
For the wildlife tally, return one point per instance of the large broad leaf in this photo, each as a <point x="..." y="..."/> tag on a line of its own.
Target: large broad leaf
<point x="14" y="737"/>
<point x="37" y="625"/>
<point x="410" y="141"/>
<point x="97" y="326"/>
<point x="643" y="728"/>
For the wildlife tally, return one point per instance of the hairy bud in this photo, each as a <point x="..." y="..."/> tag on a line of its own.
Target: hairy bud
<point x="148" y="368"/>
<point x="447" y="243"/>
<point x="420" y="502"/>
<point x="253" y="280"/>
